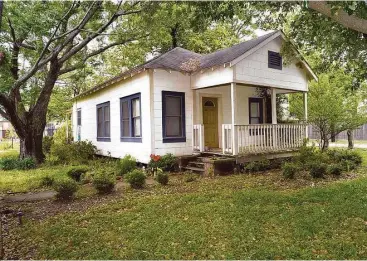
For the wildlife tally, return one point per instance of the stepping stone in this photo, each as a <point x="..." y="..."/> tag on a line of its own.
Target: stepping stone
<point x="37" y="196"/>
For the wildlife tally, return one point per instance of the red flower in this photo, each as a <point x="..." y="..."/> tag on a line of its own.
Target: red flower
<point x="155" y="157"/>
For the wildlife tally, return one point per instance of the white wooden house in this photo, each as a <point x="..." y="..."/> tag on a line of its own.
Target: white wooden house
<point x="182" y="102"/>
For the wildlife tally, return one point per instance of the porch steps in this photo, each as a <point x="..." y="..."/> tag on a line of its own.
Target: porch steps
<point x="195" y="166"/>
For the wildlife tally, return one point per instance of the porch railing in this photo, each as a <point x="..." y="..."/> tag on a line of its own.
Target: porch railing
<point x="227" y="138"/>
<point x="258" y="138"/>
<point x="198" y="137"/>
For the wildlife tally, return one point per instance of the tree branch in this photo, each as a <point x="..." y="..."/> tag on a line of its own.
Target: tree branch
<point x="96" y="52"/>
<point x="89" y="38"/>
<point x="40" y="61"/>
<point x="350" y="21"/>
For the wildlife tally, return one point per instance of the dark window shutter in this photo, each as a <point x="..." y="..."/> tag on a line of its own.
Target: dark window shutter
<point x="274" y="60"/>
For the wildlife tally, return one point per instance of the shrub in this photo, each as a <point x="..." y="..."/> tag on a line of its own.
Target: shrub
<point x="162" y="178"/>
<point x="83" y="150"/>
<point x="166" y="162"/>
<point x="63" y="135"/>
<point x="346" y="155"/>
<point x="47" y="181"/>
<point x="77" y="152"/>
<point x="190" y="177"/>
<point x="348" y="165"/>
<point x="261" y="165"/>
<point x="318" y="169"/>
<point x="104" y="181"/>
<point x="125" y="165"/>
<point x="290" y="169"/>
<point x="26" y="163"/>
<point x="87" y="177"/>
<point x="8" y="163"/>
<point x="16" y="163"/>
<point x="335" y="169"/>
<point x="65" y="188"/>
<point x="46" y="144"/>
<point x="75" y="172"/>
<point x="136" y="178"/>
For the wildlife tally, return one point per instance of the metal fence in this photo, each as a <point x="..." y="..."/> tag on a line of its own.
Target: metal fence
<point x="358" y="134"/>
<point x="49" y="130"/>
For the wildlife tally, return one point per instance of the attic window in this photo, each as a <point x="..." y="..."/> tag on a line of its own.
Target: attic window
<point x="274" y="60"/>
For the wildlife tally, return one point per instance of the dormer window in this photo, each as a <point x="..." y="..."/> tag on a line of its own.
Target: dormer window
<point x="274" y="60"/>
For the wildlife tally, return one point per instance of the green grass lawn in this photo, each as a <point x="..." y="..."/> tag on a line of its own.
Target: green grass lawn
<point x="259" y="216"/>
<point x="224" y="218"/>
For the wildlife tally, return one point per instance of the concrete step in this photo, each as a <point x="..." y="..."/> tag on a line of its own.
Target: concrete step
<point x="195" y="169"/>
<point x="196" y="164"/>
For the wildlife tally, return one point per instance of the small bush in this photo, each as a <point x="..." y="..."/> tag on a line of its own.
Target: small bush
<point x="8" y="163"/>
<point x="290" y="169"/>
<point x="75" y="172"/>
<point x="335" y="169"/>
<point x="46" y="144"/>
<point x="125" y="165"/>
<point x="261" y="165"/>
<point x="348" y="165"/>
<point x="87" y="177"/>
<point x="16" y="163"/>
<point x="318" y="169"/>
<point x="162" y="178"/>
<point x="190" y="177"/>
<point x="166" y="162"/>
<point x="47" y="181"/>
<point x="104" y="181"/>
<point x="346" y="155"/>
<point x="136" y="178"/>
<point x="26" y="163"/>
<point x="65" y="188"/>
<point x="76" y="152"/>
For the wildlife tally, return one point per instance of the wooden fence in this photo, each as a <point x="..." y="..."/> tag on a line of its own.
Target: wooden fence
<point x="358" y="134"/>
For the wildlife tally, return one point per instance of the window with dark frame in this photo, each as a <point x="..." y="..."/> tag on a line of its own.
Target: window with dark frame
<point x="274" y="60"/>
<point x="79" y="117"/>
<point x="255" y="113"/>
<point x="173" y="117"/>
<point x="131" y="118"/>
<point x="103" y="122"/>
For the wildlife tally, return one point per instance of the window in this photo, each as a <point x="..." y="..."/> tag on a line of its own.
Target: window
<point x="255" y="111"/>
<point x="209" y="104"/>
<point x="173" y="116"/>
<point x="131" y="118"/>
<point x="274" y="60"/>
<point x="79" y="123"/>
<point x="79" y="117"/>
<point x="103" y="122"/>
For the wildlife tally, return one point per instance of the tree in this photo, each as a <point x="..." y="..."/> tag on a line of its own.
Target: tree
<point x="332" y="107"/>
<point x="43" y="41"/>
<point x="347" y="14"/>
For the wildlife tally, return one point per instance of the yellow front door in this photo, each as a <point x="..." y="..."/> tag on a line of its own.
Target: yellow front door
<point x="210" y="120"/>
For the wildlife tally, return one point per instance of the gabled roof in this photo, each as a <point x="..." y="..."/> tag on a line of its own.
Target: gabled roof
<point x="175" y="58"/>
<point x="229" y="54"/>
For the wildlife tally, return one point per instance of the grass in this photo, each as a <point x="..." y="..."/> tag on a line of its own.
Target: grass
<point x="28" y="180"/>
<point x="219" y="223"/>
<point x="260" y="216"/>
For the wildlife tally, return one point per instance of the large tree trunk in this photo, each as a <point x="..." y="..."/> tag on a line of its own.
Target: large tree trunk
<point x="324" y="142"/>
<point x="350" y="139"/>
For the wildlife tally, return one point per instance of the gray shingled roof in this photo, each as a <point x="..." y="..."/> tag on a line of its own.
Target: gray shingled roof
<point x="229" y="54"/>
<point x="173" y="60"/>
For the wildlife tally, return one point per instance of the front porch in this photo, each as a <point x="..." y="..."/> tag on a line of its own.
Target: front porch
<point x="236" y="120"/>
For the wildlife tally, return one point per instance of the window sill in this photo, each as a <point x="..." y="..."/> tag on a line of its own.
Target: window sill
<point x="130" y="139"/>
<point x="106" y="139"/>
<point x="173" y="140"/>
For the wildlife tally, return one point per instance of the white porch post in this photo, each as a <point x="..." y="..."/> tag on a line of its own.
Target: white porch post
<point x="305" y="112"/>
<point x="274" y="117"/>
<point x="274" y="106"/>
<point x="233" y="109"/>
